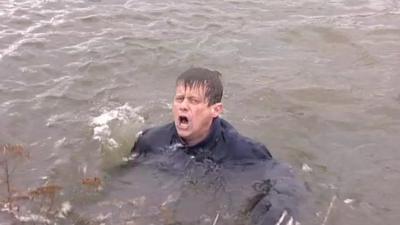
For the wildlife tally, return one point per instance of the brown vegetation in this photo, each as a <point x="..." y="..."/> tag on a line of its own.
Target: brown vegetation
<point x="9" y="153"/>
<point x="40" y="199"/>
<point x="92" y="182"/>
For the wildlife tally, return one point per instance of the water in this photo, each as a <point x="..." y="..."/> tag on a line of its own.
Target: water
<point x="316" y="81"/>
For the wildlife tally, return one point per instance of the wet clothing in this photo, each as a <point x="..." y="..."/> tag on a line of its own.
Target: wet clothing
<point x="223" y="144"/>
<point x="264" y="190"/>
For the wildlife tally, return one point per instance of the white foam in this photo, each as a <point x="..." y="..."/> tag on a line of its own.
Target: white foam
<point x="60" y="142"/>
<point x="306" y="168"/>
<point x="122" y="115"/>
<point x="66" y="208"/>
<point x="348" y="201"/>
<point x="33" y="218"/>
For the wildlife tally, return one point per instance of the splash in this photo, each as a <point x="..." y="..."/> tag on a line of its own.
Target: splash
<point x="107" y="126"/>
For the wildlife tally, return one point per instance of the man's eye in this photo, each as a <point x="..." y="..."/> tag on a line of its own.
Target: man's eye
<point x="179" y="99"/>
<point x="194" y="101"/>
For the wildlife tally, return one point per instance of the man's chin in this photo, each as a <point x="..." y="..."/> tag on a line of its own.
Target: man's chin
<point x="183" y="133"/>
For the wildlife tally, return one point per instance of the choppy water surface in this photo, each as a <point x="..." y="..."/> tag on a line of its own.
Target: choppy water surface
<point x="316" y="81"/>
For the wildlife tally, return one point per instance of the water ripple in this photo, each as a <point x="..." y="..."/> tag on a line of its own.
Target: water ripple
<point x="316" y="78"/>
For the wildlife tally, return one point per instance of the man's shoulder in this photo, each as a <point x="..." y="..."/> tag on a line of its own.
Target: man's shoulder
<point x="242" y="147"/>
<point x="157" y="132"/>
<point x="153" y="137"/>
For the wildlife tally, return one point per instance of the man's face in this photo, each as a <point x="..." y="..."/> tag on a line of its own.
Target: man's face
<point x="192" y="114"/>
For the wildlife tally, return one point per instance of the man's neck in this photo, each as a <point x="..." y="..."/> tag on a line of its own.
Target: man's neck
<point x="196" y="140"/>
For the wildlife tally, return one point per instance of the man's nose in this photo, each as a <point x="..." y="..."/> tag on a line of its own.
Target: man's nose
<point x="184" y="105"/>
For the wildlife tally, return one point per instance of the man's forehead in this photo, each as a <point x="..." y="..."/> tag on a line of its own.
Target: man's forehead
<point x="187" y="89"/>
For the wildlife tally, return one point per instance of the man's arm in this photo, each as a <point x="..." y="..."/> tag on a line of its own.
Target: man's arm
<point x="279" y="196"/>
<point x="263" y="150"/>
<point x="136" y="144"/>
<point x="139" y="147"/>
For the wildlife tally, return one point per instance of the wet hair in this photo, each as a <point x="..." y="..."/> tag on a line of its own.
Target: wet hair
<point x="197" y="77"/>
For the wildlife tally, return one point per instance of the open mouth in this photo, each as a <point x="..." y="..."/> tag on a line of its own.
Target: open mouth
<point x="183" y="120"/>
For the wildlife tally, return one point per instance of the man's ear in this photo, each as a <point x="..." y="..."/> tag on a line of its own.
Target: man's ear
<point x="217" y="109"/>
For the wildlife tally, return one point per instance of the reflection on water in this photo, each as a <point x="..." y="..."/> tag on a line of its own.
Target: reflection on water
<point x="317" y="82"/>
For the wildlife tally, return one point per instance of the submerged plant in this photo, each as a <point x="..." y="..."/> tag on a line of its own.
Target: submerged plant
<point x="94" y="183"/>
<point x="47" y="192"/>
<point x="9" y="155"/>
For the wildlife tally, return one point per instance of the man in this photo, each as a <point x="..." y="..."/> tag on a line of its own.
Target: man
<point x="197" y="127"/>
<point x="199" y="135"/>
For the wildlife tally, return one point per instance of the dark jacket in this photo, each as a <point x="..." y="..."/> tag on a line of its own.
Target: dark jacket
<point x="223" y="144"/>
<point x="271" y="198"/>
